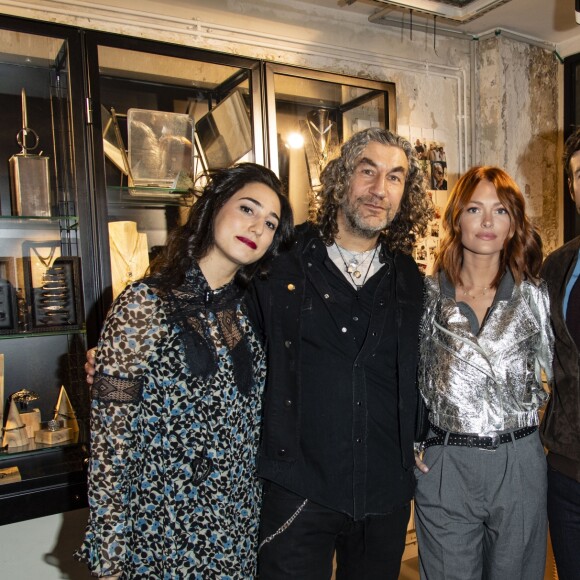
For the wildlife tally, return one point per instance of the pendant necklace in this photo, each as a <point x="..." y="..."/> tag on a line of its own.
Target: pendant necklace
<point x="355" y="263"/>
<point x="46" y="262"/>
<point x="128" y="262"/>
<point x="466" y="292"/>
<point x="353" y="266"/>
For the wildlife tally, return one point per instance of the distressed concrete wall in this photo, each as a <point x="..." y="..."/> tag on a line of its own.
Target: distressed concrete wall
<point x="517" y="89"/>
<point x="433" y="91"/>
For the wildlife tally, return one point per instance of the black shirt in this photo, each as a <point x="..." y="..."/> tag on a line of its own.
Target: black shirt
<point x="350" y="458"/>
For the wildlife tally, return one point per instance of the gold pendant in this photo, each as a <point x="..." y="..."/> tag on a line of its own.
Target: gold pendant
<point x="357" y="274"/>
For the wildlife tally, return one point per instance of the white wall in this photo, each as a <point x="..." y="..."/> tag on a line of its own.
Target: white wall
<point x="43" y="548"/>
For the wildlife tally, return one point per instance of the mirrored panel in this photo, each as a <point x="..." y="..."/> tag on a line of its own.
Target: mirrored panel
<point x="165" y="121"/>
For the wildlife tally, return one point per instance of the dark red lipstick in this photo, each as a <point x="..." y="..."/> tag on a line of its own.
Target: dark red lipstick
<point x="248" y="242"/>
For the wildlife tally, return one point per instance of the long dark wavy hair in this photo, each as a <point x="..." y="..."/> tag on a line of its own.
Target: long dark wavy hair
<point x="193" y="240"/>
<point x="522" y="251"/>
<point x="415" y="210"/>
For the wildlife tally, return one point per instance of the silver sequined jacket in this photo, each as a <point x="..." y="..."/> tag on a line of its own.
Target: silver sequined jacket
<point x="491" y="380"/>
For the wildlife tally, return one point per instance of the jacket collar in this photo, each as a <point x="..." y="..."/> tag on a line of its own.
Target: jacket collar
<point x="504" y="290"/>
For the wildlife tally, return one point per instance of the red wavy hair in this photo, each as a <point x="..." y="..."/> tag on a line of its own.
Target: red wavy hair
<point x="522" y="251"/>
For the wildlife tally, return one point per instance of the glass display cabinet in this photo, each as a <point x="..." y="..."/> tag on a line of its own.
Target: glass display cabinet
<point x="43" y="273"/>
<point x="315" y="112"/>
<point x="162" y="115"/>
<point x="104" y="138"/>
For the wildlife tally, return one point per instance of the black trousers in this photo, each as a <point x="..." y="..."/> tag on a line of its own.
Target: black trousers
<point x="369" y="549"/>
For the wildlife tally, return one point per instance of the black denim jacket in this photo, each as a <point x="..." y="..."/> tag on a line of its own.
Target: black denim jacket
<point x="275" y="305"/>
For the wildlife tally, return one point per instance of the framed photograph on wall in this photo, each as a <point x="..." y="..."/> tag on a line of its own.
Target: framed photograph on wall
<point x="54" y="299"/>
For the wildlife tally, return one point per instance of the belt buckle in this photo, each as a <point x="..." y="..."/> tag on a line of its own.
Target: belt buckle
<point x="494" y="436"/>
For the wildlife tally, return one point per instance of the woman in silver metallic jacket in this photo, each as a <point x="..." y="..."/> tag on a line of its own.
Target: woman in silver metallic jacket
<point x="486" y="337"/>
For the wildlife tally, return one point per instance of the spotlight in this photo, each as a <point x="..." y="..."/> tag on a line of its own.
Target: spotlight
<point x="296" y="141"/>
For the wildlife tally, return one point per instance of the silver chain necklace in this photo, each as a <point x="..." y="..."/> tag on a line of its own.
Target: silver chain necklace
<point x="353" y="266"/>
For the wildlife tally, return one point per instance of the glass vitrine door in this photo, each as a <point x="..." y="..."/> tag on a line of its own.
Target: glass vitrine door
<point x="163" y="116"/>
<point x="310" y="114"/>
<point x="44" y="271"/>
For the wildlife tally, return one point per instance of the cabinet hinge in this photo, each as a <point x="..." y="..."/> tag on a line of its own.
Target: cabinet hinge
<point x="89" y="107"/>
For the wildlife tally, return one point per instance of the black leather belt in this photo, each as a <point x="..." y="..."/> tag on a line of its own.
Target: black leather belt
<point x="479" y="442"/>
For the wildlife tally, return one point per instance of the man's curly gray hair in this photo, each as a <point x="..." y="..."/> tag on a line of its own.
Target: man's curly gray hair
<point x="415" y="210"/>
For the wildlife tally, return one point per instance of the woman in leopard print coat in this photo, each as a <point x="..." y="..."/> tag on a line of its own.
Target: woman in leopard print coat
<point x="177" y="396"/>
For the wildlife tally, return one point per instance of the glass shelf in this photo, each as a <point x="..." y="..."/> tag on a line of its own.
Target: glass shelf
<point x="33" y="448"/>
<point x="39" y="223"/>
<point x="143" y="197"/>
<point x="33" y="218"/>
<point x="26" y="334"/>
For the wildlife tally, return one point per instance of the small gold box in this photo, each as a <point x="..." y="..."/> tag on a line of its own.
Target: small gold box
<point x="47" y="437"/>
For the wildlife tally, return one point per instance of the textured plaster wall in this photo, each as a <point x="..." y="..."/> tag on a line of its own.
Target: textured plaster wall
<point x="432" y="75"/>
<point x="517" y="90"/>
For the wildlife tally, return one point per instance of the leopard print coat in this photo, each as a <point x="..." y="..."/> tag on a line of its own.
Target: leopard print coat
<point x="172" y="483"/>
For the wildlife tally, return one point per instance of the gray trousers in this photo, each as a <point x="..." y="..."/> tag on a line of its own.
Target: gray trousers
<point x="481" y="515"/>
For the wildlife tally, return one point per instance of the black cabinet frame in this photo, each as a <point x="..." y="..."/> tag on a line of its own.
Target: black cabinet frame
<point x="54" y="480"/>
<point x="45" y="491"/>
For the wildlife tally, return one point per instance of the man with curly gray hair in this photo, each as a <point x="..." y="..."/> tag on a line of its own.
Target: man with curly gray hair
<point x="340" y="312"/>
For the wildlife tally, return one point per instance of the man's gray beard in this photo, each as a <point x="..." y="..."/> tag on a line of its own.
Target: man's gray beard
<point x="355" y="226"/>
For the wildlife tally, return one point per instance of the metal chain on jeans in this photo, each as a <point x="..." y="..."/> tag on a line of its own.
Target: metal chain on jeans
<point x="284" y="526"/>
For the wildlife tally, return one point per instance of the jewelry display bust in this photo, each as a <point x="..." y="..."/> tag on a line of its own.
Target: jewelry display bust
<point x="42" y="259"/>
<point x="320" y="142"/>
<point x="129" y="254"/>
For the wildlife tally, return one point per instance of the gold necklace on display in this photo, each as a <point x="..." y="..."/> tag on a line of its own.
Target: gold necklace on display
<point x="320" y="140"/>
<point x="46" y="262"/>
<point x="129" y="262"/>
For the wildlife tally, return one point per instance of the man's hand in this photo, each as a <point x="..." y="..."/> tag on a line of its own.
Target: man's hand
<point x="90" y="365"/>
<point x="420" y="463"/>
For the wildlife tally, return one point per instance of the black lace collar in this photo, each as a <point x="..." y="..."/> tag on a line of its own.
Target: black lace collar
<point x="198" y="294"/>
<point x="187" y="307"/>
